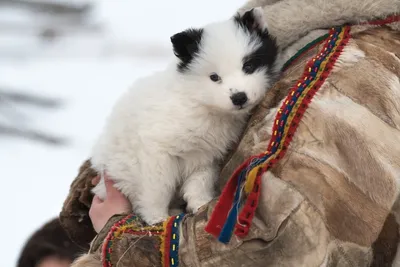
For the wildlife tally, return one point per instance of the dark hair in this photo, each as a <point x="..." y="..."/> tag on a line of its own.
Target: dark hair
<point x="49" y="240"/>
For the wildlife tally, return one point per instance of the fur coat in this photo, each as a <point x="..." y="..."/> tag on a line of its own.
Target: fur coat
<point x="323" y="187"/>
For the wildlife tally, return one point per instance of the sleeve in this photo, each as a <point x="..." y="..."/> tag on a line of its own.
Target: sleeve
<point x="128" y="241"/>
<point x="74" y="216"/>
<point x="277" y="229"/>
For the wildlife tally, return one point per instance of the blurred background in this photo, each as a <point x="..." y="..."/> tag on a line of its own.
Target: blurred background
<point x="63" y="63"/>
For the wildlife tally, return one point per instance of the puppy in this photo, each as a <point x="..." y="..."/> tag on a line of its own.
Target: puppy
<point x="171" y="129"/>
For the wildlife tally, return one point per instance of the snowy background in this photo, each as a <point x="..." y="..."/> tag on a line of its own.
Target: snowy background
<point x="74" y="69"/>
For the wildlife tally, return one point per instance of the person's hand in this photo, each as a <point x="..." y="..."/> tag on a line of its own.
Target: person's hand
<point x="115" y="203"/>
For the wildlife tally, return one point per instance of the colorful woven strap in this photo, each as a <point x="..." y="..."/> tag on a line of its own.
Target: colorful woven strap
<point x="131" y="224"/>
<point x="167" y="232"/>
<point x="170" y="242"/>
<point x="388" y="20"/>
<point x="226" y="217"/>
<point x="303" y="50"/>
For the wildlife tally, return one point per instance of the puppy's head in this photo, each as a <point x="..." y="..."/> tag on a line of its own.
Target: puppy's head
<point x="230" y="64"/>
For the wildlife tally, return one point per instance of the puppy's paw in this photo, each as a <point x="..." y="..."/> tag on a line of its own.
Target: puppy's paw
<point x="152" y="217"/>
<point x="195" y="204"/>
<point x="154" y="220"/>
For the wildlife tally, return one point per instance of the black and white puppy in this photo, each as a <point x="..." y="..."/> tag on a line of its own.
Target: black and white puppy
<point x="171" y="129"/>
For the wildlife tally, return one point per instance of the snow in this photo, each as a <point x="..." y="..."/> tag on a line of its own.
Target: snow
<point x="88" y="72"/>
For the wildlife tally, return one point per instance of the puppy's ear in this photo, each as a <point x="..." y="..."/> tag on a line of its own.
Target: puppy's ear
<point x="186" y="43"/>
<point x="252" y="20"/>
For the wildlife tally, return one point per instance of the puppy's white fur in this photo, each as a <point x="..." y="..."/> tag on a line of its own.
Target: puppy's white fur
<point x="172" y="128"/>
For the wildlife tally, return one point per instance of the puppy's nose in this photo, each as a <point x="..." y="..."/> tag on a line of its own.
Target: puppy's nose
<point x="239" y="99"/>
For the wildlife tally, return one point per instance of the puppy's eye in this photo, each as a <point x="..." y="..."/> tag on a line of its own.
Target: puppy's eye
<point x="214" y="77"/>
<point x="248" y="67"/>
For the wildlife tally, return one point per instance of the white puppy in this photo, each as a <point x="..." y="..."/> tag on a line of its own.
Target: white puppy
<point x="171" y="129"/>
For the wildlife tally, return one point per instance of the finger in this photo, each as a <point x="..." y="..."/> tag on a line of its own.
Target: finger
<point x="96" y="200"/>
<point x="96" y="180"/>
<point x="114" y="195"/>
<point x="110" y="189"/>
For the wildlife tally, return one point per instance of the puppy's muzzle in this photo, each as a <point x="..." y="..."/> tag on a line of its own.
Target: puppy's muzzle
<point x="239" y="99"/>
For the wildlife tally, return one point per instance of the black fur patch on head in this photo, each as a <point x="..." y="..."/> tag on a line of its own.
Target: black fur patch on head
<point x="249" y="21"/>
<point x="265" y="55"/>
<point x="186" y="46"/>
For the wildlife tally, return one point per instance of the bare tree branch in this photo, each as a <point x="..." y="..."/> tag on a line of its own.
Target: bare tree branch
<point x="13" y="98"/>
<point x="31" y="99"/>
<point x="61" y="27"/>
<point x="59" y="8"/>
<point x="32" y="135"/>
